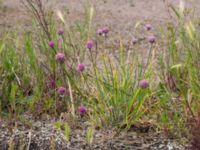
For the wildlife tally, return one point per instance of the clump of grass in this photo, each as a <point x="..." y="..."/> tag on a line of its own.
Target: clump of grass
<point x="42" y="74"/>
<point x="180" y="76"/>
<point x="114" y="95"/>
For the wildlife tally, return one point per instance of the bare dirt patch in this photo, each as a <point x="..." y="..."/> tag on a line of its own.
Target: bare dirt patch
<point x="42" y="135"/>
<point x="120" y="15"/>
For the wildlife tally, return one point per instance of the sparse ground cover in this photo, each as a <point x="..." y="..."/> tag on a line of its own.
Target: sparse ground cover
<point x="95" y="75"/>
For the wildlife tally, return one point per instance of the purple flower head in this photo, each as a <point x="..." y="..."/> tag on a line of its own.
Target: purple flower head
<point x="61" y="90"/>
<point x="105" y="30"/>
<point x="134" y="41"/>
<point x="51" y="44"/>
<point x="60" y="31"/>
<point x="148" y="27"/>
<point x="89" y="44"/>
<point x="100" y="31"/>
<point x="144" y="84"/>
<point x="152" y="39"/>
<point x="60" y="57"/>
<point x="82" y="110"/>
<point x="81" y="67"/>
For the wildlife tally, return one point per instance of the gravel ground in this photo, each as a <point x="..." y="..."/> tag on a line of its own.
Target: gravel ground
<point x="42" y="135"/>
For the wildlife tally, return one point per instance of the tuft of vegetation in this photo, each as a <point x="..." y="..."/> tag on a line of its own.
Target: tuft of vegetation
<point x="57" y="68"/>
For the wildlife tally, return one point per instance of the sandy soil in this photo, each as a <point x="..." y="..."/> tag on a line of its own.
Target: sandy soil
<point x="120" y="15"/>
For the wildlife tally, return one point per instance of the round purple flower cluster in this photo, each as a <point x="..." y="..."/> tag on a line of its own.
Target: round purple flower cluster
<point x="61" y="90"/>
<point x="103" y="31"/>
<point x="151" y="39"/>
<point x="82" y="110"/>
<point x="51" y="44"/>
<point x="60" y="31"/>
<point x="100" y="31"/>
<point x="60" y="57"/>
<point x="81" y="67"/>
<point x="89" y="44"/>
<point x="134" y="41"/>
<point x="144" y="84"/>
<point x="148" y="27"/>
